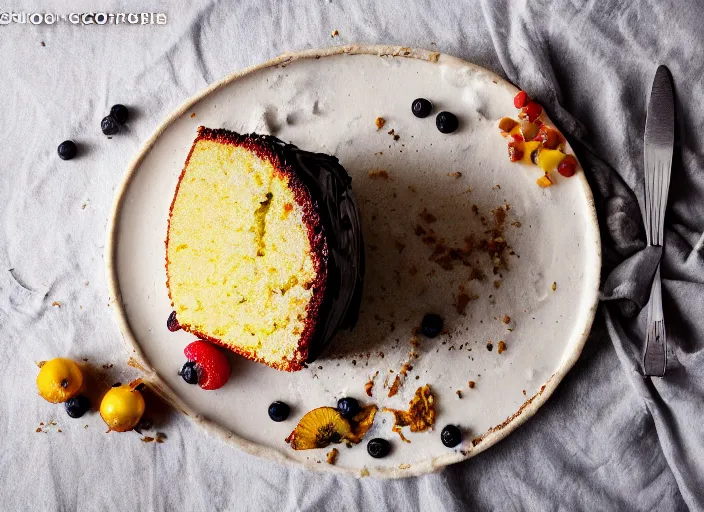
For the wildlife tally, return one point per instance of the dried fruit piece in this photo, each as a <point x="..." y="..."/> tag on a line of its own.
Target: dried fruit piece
<point x="550" y="138"/>
<point x="531" y="111"/>
<point x="528" y="130"/>
<point x="507" y="124"/>
<point x="567" y="166"/>
<point x="318" y="428"/>
<point x="515" y="151"/>
<point x="544" y="181"/>
<point x="530" y="151"/>
<point x="420" y="415"/>
<point x="362" y="422"/>
<point x="548" y="159"/>
<point x="521" y="99"/>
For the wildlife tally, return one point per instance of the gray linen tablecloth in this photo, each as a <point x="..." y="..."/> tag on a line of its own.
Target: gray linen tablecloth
<point x="608" y="439"/>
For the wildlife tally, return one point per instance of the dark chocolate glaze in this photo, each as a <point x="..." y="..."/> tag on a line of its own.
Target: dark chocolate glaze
<point x="330" y="188"/>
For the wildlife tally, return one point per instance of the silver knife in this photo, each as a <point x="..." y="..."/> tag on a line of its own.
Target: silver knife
<point x="658" y="147"/>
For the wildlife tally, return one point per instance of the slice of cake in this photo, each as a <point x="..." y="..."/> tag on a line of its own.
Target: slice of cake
<point x="264" y="250"/>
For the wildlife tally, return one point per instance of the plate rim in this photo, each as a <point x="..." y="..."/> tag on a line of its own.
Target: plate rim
<point x="156" y="383"/>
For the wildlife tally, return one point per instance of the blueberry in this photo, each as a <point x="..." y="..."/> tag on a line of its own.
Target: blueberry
<point x="172" y="323"/>
<point x="348" y="407"/>
<point x="431" y="325"/>
<point x="77" y="406"/>
<point x="279" y="411"/>
<point x="378" y="448"/>
<point x="189" y="372"/>
<point x="446" y="122"/>
<point x="109" y="125"/>
<point x="67" y="150"/>
<point x="421" y="107"/>
<point x="120" y="113"/>
<point x="451" y="436"/>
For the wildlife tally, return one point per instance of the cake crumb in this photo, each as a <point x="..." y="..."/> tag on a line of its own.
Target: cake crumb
<point x="462" y="301"/>
<point x="516" y="224"/>
<point x="524" y="392"/>
<point x="335" y="33"/>
<point x="39" y="429"/>
<point x="501" y="346"/>
<point x="455" y="174"/>
<point x="378" y="174"/>
<point x="427" y="217"/>
<point x="332" y="456"/>
<point x="146" y="439"/>
<point x="43" y="43"/>
<point x="395" y="386"/>
<point x="507" y="319"/>
<point x="554" y="285"/>
<point x="496" y="187"/>
<point x="59" y="430"/>
<point x="394" y="134"/>
<point x="56" y="303"/>
<point x="193" y="114"/>
<point x="380" y="122"/>
<point x="459" y="393"/>
<point x="497" y="284"/>
<point x="489" y="346"/>
<point x="420" y="415"/>
<point x="471" y="384"/>
<point x="369" y="386"/>
<point x="160" y="436"/>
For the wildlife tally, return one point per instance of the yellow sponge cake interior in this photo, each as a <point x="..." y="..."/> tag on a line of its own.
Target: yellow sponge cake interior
<point x="240" y="266"/>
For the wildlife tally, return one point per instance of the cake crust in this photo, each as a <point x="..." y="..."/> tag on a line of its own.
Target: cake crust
<point x="316" y="238"/>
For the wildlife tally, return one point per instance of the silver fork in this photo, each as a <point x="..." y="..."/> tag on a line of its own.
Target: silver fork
<point x="659" y="142"/>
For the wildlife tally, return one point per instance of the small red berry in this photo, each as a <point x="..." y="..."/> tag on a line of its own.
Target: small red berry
<point x="568" y="166"/>
<point x="549" y="137"/>
<point x="532" y="111"/>
<point x="211" y="363"/>
<point x="515" y="151"/>
<point x="521" y="99"/>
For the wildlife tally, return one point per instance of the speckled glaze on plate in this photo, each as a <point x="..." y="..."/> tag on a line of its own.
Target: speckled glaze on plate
<point x="328" y="100"/>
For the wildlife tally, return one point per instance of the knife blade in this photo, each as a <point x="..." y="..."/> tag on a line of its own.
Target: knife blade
<point x="657" y="158"/>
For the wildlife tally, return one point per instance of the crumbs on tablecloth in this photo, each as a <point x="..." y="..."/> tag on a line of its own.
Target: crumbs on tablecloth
<point x="56" y="303"/>
<point x="489" y="346"/>
<point x="334" y="33"/>
<point x="455" y="174"/>
<point x="501" y="346"/>
<point x="332" y="456"/>
<point x="380" y="122"/>
<point x="394" y="134"/>
<point x="459" y="393"/>
<point x="554" y="285"/>
<point x="471" y="384"/>
<point x="378" y="174"/>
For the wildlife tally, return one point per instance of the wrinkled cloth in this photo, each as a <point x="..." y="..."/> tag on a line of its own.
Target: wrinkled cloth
<point x="608" y="439"/>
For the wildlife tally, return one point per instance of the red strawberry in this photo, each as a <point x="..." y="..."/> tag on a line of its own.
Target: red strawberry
<point x="521" y="99"/>
<point x="212" y="365"/>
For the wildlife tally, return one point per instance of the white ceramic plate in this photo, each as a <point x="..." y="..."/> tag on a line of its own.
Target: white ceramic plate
<point x="327" y="101"/>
